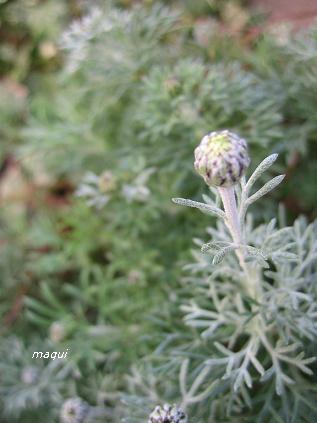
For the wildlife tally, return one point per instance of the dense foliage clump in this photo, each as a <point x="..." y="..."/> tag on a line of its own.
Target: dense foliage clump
<point x="102" y="105"/>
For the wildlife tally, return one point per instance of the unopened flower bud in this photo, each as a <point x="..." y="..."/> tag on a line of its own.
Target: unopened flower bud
<point x="221" y="158"/>
<point x="167" y="414"/>
<point x="74" y="410"/>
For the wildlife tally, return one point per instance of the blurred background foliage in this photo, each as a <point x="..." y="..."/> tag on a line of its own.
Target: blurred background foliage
<point x="101" y="106"/>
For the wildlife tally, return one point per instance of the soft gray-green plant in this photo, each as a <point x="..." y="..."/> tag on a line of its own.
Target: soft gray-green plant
<point x="137" y="91"/>
<point x="251" y="304"/>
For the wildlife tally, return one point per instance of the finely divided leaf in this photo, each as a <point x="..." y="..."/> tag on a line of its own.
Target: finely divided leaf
<point x="201" y="206"/>
<point x="263" y="166"/>
<point x="269" y="186"/>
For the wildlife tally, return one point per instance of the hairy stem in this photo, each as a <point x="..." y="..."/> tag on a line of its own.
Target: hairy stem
<point x="232" y="219"/>
<point x="228" y="198"/>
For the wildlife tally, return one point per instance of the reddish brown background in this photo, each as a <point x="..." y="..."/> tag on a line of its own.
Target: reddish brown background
<point x="300" y="12"/>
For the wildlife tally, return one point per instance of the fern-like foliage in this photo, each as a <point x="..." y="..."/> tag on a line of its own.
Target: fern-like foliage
<point x="30" y="385"/>
<point x="252" y="309"/>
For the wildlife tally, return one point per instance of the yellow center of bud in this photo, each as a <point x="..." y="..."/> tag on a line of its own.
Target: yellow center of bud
<point x="219" y="143"/>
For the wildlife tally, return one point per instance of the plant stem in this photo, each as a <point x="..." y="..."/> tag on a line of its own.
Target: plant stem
<point x="232" y="218"/>
<point x="228" y="198"/>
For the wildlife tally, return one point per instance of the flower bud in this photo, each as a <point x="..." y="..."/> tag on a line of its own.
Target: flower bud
<point x="221" y="158"/>
<point x="167" y="414"/>
<point x="74" y="410"/>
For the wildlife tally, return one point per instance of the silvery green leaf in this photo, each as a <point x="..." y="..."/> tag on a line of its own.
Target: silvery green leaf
<point x="247" y="379"/>
<point x="279" y="233"/>
<point x="222" y="253"/>
<point x="268" y="374"/>
<point x="269" y="186"/>
<point x="296" y="297"/>
<point x="263" y="166"/>
<point x="262" y="262"/>
<point x="308" y="261"/>
<point x="201" y="206"/>
<point x="222" y="349"/>
<point x="183" y="376"/>
<point x="288" y="380"/>
<point x="255" y="252"/>
<point x="214" y="245"/>
<point x="284" y="255"/>
<point x="257" y="365"/>
<point x="229" y="368"/>
<point x="282" y="349"/>
<point x="216" y="361"/>
<point x="288" y="246"/>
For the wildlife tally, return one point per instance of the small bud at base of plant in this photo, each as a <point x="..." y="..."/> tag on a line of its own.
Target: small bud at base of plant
<point x="221" y="158"/>
<point x="74" y="410"/>
<point x="167" y="414"/>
